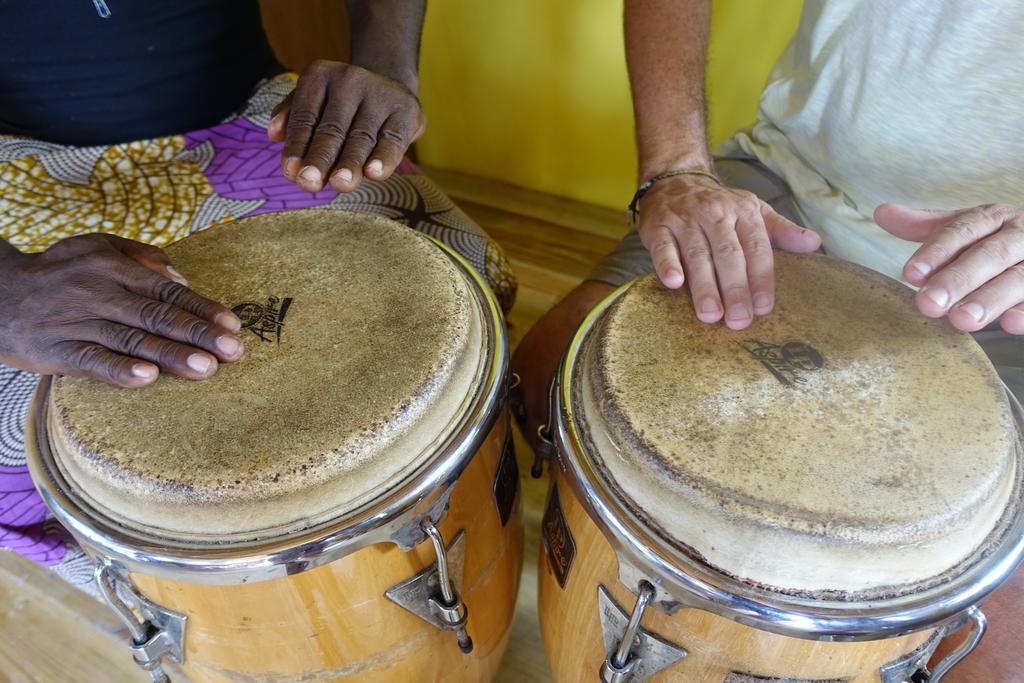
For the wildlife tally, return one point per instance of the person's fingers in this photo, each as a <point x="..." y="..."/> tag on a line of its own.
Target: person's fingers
<point x="359" y="143"/>
<point x="661" y="245"/>
<point x="787" y="235"/>
<point x="303" y="114"/>
<point x="152" y="286"/>
<point x="178" y="359"/>
<point x="955" y="235"/>
<point x="172" y="322"/>
<point x="277" y="127"/>
<point x="84" y="359"/>
<point x="975" y="266"/>
<point x="393" y="140"/>
<point x="326" y="144"/>
<point x="990" y="301"/>
<point x="151" y="257"/>
<point x="757" y="251"/>
<point x="915" y="225"/>
<point x="1013" y="320"/>
<point x="700" y="272"/>
<point x="731" y="273"/>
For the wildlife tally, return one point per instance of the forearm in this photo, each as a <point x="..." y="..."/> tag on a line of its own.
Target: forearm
<point x="386" y="37"/>
<point x="666" y="52"/>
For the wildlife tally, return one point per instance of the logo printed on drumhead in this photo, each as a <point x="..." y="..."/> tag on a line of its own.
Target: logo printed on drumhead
<point x="265" y="321"/>
<point x="558" y="542"/>
<point x="788" y="362"/>
<point x="506" y="480"/>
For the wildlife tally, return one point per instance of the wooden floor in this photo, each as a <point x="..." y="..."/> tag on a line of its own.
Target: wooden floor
<point x="48" y="630"/>
<point x="553" y="244"/>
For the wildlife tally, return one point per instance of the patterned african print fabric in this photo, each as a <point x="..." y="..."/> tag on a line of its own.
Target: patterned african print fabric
<point x="158" y="191"/>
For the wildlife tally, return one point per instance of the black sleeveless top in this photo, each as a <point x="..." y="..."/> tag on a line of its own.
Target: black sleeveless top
<point x="151" y="68"/>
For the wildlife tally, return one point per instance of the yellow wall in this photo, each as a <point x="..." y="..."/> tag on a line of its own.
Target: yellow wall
<point x="534" y="92"/>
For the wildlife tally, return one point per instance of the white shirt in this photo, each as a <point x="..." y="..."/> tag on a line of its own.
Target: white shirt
<point x="919" y="102"/>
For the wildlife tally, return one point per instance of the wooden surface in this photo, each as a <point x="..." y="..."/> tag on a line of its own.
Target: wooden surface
<point x="553" y="243"/>
<point x="334" y="622"/>
<point x="300" y="33"/>
<point x="716" y="646"/>
<point x="51" y="631"/>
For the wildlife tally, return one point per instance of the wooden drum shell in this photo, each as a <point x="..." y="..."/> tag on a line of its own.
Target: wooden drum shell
<point x="334" y="622"/>
<point x="717" y="647"/>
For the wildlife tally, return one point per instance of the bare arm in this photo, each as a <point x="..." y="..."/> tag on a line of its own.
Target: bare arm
<point x="386" y="37"/>
<point x="717" y="238"/>
<point x="666" y="52"/>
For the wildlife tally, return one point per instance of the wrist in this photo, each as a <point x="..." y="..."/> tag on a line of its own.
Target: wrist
<point x="655" y="166"/>
<point x="403" y="75"/>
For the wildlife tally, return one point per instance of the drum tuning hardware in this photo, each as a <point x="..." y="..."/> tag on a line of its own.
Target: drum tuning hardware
<point x="544" y="450"/>
<point x="544" y="446"/>
<point x="156" y="631"/>
<point x="635" y="655"/>
<point x="433" y="594"/>
<point x="978" y="625"/>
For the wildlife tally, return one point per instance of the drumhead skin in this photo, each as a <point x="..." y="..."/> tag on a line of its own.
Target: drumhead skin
<point x="843" y="446"/>
<point x="363" y="349"/>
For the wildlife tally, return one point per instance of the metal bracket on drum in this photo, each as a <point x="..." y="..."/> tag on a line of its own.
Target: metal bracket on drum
<point x="433" y="594"/>
<point x="913" y="666"/>
<point x="413" y="533"/>
<point x="979" y="624"/>
<point x="156" y="631"/>
<point x="662" y="599"/>
<point x="544" y="447"/>
<point x="633" y="654"/>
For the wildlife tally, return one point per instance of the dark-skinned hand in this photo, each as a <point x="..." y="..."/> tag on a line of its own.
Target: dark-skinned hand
<point x="110" y="308"/>
<point x="343" y="123"/>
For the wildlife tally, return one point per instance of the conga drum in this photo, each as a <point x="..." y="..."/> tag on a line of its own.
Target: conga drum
<point x="339" y="504"/>
<point x="820" y="497"/>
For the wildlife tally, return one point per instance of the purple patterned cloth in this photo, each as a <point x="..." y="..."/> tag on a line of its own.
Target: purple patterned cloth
<point x="243" y="168"/>
<point x="247" y="167"/>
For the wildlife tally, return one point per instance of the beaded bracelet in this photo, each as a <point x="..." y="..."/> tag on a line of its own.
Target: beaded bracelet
<point x="633" y="212"/>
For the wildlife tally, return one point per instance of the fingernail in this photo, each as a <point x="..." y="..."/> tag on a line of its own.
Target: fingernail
<point x="228" y="321"/>
<point x="344" y="175"/>
<point x="310" y="174"/>
<point x="738" y="312"/>
<point x="275" y="119"/>
<point x="922" y="269"/>
<point x="199" y="362"/>
<point x="976" y="311"/>
<point x="939" y="296"/>
<point x="144" y="371"/>
<point x="176" y="276"/>
<point x="228" y="345"/>
<point x="291" y="167"/>
<point x="375" y="167"/>
<point x="709" y="306"/>
<point x="762" y="302"/>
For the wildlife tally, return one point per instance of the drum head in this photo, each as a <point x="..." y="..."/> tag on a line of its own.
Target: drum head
<point x="363" y="348"/>
<point x="843" y="445"/>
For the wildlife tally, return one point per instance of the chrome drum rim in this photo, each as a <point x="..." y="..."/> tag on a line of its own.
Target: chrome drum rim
<point x="684" y="582"/>
<point x="395" y="517"/>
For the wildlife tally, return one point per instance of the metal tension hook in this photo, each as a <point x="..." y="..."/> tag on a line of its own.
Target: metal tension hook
<point x="156" y="631"/>
<point x="449" y="608"/>
<point x="619" y="666"/>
